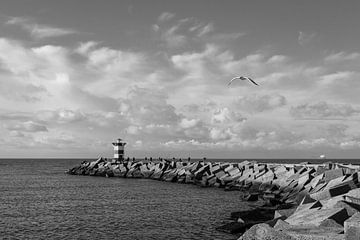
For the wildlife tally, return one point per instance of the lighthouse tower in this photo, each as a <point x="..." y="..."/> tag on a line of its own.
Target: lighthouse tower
<point x="118" y="149"/>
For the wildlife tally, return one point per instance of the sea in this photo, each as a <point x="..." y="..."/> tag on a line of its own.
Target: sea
<point x="39" y="201"/>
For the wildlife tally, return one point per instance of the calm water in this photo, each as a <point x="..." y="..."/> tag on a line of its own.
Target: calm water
<point x="39" y="201"/>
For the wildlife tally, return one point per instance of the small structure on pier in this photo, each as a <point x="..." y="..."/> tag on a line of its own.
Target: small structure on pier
<point x="119" y="149"/>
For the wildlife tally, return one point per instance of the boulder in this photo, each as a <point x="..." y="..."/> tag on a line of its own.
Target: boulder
<point x="281" y="225"/>
<point x="315" y="233"/>
<point x="352" y="227"/>
<point x="284" y="212"/>
<point x="332" y="174"/>
<point x="317" y="216"/>
<point x="264" y="231"/>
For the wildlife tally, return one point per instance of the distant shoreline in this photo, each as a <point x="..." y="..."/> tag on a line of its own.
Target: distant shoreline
<point x="354" y="161"/>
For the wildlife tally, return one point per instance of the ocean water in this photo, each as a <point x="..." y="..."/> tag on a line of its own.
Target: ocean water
<point x="39" y="201"/>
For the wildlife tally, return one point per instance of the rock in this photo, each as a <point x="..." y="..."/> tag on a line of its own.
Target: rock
<point x="255" y="215"/>
<point x="284" y="212"/>
<point x="355" y="193"/>
<point x="332" y="174"/>
<point x="330" y="223"/>
<point x="315" y="233"/>
<point x="352" y="227"/>
<point x="317" y="216"/>
<point x="307" y="199"/>
<point x="351" y="208"/>
<point x="273" y="222"/>
<point x="252" y="197"/>
<point x="281" y="225"/>
<point x="264" y="232"/>
<point x="307" y="206"/>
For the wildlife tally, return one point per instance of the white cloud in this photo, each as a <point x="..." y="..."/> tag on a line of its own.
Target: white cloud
<point x="61" y="116"/>
<point x="85" y="47"/>
<point x="260" y="103"/>
<point x="166" y="16"/>
<point x="39" y="30"/>
<point x="224" y="115"/>
<point x="342" y="56"/>
<point x="323" y="110"/>
<point x="205" y="29"/>
<point x="306" y="37"/>
<point x="220" y="134"/>
<point x="28" y="126"/>
<point x="189" y="123"/>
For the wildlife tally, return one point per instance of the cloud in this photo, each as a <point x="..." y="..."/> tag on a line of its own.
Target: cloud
<point x="61" y="116"/>
<point x="220" y="134"/>
<point x="172" y="38"/>
<point x="188" y="32"/>
<point x="205" y="29"/>
<point x="224" y="115"/>
<point x="323" y="110"/>
<point x="342" y="56"/>
<point x="166" y="16"/>
<point x="306" y="37"/>
<point x="85" y="47"/>
<point x="28" y="126"/>
<point x="260" y="103"/>
<point x="148" y="106"/>
<point x="39" y="31"/>
<point x="188" y="123"/>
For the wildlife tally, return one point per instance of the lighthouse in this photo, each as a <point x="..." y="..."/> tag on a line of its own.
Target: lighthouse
<point x="119" y="149"/>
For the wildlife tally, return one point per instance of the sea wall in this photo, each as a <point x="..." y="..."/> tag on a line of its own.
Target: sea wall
<point x="302" y="201"/>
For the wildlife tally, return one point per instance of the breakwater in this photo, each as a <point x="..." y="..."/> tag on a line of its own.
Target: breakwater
<point x="301" y="201"/>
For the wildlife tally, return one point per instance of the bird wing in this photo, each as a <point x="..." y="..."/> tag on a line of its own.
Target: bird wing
<point x="232" y="80"/>
<point x="253" y="81"/>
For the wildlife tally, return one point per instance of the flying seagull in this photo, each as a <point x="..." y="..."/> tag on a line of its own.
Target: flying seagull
<point x="243" y="78"/>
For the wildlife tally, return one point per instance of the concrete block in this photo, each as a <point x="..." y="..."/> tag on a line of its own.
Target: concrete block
<point x="307" y="206"/>
<point x="352" y="227"/>
<point x="284" y="212"/>
<point x="264" y="231"/>
<point x="315" y="181"/>
<point x="320" y="195"/>
<point x="307" y="199"/>
<point x="332" y="174"/>
<point x="281" y="225"/>
<point x="317" y="216"/>
<point x="355" y="193"/>
<point x="315" y="233"/>
<point x="351" y="208"/>
<point x="338" y="190"/>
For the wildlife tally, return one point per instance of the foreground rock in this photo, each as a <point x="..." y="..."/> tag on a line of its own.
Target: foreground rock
<point x="264" y="231"/>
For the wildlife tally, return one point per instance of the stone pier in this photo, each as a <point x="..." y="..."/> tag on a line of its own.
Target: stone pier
<point x="305" y="201"/>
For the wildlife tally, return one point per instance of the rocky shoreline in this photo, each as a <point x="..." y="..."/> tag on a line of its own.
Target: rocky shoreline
<point x="300" y="201"/>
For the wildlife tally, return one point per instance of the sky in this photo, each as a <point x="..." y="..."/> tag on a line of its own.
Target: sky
<point x="76" y="75"/>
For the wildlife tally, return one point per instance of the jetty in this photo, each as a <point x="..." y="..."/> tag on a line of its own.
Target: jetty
<point x="300" y="201"/>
